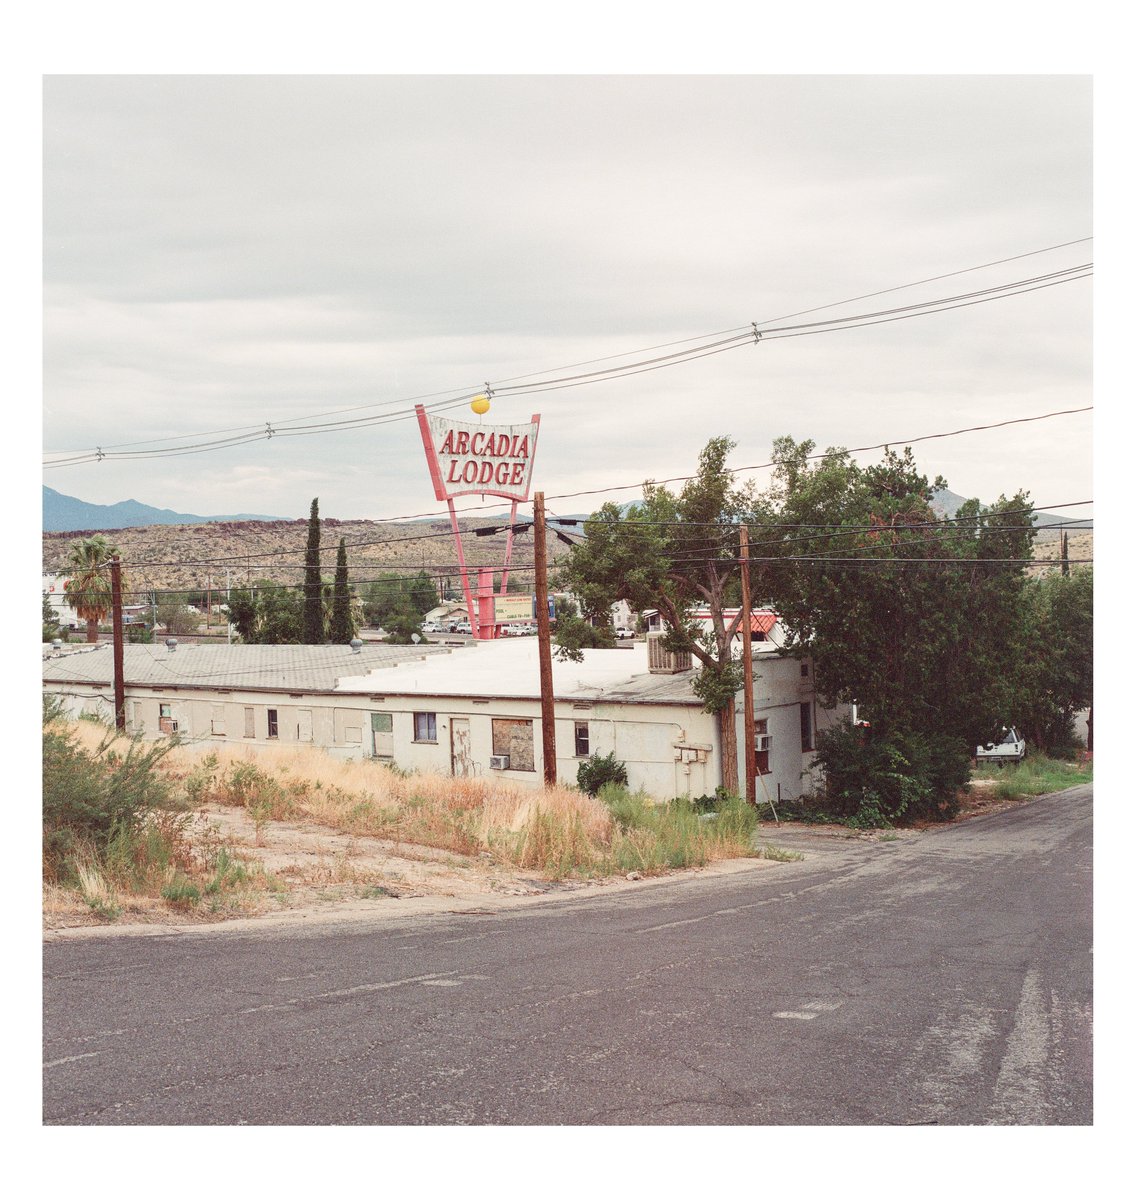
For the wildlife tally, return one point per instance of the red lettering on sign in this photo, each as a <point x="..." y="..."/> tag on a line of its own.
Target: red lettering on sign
<point x="452" y="477"/>
<point x="469" y="473"/>
<point x="501" y="475"/>
<point x="447" y="443"/>
<point x="486" y="473"/>
<point x="477" y="443"/>
<point x="462" y="446"/>
<point x="523" y="451"/>
<point x="518" y="474"/>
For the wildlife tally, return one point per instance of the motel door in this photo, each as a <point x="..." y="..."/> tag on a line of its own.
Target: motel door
<point x="382" y="736"/>
<point x="461" y="751"/>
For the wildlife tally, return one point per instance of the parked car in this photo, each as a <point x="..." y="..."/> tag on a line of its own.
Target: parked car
<point x="431" y="627"/>
<point x="1008" y="747"/>
<point x="463" y="627"/>
<point x="623" y="632"/>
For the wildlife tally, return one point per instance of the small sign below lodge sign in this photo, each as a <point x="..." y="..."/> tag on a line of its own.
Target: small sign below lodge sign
<point x="467" y="459"/>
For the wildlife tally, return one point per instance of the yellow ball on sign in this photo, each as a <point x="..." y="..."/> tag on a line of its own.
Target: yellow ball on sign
<point x="480" y="404"/>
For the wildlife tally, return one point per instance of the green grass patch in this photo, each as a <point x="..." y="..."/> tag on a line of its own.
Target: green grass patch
<point x="1037" y="776"/>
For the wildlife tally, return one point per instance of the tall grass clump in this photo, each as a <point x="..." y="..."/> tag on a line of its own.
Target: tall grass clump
<point x="119" y="826"/>
<point x="654" y="837"/>
<point x="107" y="808"/>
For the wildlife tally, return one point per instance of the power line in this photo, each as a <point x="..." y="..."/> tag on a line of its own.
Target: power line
<point x="705" y="347"/>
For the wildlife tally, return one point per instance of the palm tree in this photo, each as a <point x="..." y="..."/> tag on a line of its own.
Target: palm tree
<point x="88" y="589"/>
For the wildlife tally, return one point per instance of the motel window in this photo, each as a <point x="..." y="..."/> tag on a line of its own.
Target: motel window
<point x="217" y="722"/>
<point x="807" y="727"/>
<point x="515" y="738"/>
<point x="582" y="741"/>
<point x="425" y="727"/>
<point x="250" y="722"/>
<point x="166" y="723"/>
<point x="273" y="723"/>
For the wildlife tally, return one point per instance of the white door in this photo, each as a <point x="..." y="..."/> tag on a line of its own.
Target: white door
<point x="461" y="749"/>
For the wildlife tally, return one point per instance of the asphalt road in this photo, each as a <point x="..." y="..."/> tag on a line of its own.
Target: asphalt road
<point x="945" y="978"/>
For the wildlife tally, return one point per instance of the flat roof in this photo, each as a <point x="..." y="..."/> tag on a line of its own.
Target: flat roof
<point x="509" y="668"/>
<point x="278" y="668"/>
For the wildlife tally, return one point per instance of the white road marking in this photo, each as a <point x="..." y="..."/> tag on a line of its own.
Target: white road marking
<point x="796" y="1016"/>
<point x="74" y="1058"/>
<point x="351" y="991"/>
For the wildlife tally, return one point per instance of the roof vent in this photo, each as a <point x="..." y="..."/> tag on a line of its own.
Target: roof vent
<point x="56" y="644"/>
<point x="171" y="644"/>
<point x="665" y="662"/>
<point x="356" y="645"/>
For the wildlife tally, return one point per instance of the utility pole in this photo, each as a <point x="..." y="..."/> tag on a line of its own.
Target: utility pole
<point x="747" y="671"/>
<point x="116" y="626"/>
<point x="544" y="637"/>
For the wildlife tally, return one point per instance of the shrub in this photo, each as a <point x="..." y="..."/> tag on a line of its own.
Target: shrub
<point x="595" y="771"/>
<point x="875" y="778"/>
<point x="100" y="799"/>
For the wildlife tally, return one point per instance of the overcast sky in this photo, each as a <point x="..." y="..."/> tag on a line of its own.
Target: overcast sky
<point x="222" y="252"/>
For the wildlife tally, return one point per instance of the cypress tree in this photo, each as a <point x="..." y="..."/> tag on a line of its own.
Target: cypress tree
<point x="341" y="628"/>
<point x="313" y="597"/>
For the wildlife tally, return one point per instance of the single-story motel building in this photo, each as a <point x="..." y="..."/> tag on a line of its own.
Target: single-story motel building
<point x="471" y="710"/>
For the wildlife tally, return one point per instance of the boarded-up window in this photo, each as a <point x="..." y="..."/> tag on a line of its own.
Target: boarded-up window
<point x="514" y="738"/>
<point x="304" y="725"/>
<point x="217" y="725"/>
<point x="250" y="722"/>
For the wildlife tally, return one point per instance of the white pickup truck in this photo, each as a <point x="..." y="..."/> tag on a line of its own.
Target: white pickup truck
<point x="1010" y="747"/>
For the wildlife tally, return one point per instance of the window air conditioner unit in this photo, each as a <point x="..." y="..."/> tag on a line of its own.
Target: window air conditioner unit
<point x="173" y="727"/>
<point x="498" y="762"/>
<point x="763" y="741"/>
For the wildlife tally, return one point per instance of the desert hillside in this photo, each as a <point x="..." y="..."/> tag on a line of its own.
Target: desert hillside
<point x="197" y="556"/>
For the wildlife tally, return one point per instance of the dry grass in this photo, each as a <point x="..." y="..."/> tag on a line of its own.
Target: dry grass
<point x="305" y="810"/>
<point x="363" y="798"/>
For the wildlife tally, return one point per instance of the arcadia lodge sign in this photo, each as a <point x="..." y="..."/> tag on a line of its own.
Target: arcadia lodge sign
<point x="474" y="460"/>
<point x="480" y="460"/>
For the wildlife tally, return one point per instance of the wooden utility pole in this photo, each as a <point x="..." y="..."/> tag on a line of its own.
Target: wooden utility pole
<point x="747" y="672"/>
<point x="116" y="627"/>
<point x="544" y="638"/>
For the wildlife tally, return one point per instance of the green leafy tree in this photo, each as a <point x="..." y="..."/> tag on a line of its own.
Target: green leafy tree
<point x="313" y="616"/>
<point x="342" y="627"/>
<point x="267" y="614"/>
<point x="1057" y="661"/>
<point x="88" y="590"/>
<point x="50" y="621"/>
<point x="918" y="618"/>
<point x="173" y="613"/>
<point x="423" y="593"/>
<point x="673" y="553"/>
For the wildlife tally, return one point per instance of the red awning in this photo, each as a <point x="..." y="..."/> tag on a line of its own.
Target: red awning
<point x="762" y="622"/>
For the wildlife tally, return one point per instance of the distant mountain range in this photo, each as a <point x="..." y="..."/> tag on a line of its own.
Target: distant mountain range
<point x="948" y="503"/>
<point x="66" y="514"/>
